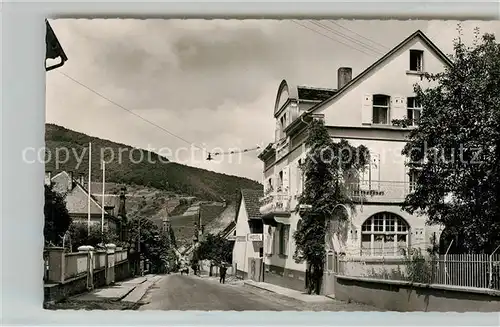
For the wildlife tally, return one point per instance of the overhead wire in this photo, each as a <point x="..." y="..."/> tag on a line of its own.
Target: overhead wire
<point x="385" y="48"/>
<point x="347" y="37"/>
<point x="331" y="38"/>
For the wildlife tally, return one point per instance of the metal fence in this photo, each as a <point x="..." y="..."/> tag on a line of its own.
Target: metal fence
<point x="465" y="270"/>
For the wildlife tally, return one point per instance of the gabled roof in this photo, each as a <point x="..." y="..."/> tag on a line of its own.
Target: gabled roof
<point x="252" y="204"/>
<point x="314" y="93"/>
<point x="77" y="198"/>
<point x="418" y="33"/>
<point x="229" y="229"/>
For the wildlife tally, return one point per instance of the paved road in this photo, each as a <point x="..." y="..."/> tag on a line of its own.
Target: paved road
<point x="176" y="292"/>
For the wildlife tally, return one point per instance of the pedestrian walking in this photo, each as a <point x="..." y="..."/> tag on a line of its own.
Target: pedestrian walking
<point x="222" y="271"/>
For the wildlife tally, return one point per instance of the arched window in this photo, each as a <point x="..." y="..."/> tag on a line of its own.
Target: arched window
<point x="384" y="234"/>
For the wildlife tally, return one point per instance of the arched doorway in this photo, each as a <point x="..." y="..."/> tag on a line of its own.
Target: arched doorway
<point x="385" y="234"/>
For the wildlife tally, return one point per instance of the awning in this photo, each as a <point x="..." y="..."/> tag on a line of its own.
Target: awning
<point x="282" y="220"/>
<point x="273" y="220"/>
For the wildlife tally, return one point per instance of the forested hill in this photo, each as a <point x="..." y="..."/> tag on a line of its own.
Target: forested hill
<point x="181" y="179"/>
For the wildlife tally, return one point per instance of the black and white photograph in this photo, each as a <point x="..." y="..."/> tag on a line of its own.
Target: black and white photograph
<point x="271" y="165"/>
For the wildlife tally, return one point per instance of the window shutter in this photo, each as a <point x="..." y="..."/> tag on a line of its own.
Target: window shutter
<point x="398" y="107"/>
<point x="293" y="178"/>
<point x="277" y="131"/>
<point x="287" y="239"/>
<point x="269" y="245"/>
<point x="286" y="179"/>
<point x="375" y="166"/>
<point x="273" y="248"/>
<point x="367" y="109"/>
<point x="299" y="179"/>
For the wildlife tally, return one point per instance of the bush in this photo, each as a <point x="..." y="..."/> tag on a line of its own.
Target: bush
<point x="80" y="236"/>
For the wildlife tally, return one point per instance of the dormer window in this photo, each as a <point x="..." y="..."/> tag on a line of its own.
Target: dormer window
<point x="381" y="109"/>
<point x="416" y="60"/>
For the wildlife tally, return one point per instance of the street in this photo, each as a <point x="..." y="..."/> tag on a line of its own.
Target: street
<point x="181" y="292"/>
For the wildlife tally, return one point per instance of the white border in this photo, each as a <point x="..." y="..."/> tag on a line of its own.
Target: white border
<point x="22" y="125"/>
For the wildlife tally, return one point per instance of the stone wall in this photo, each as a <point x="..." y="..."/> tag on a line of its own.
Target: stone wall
<point x="283" y="277"/>
<point x="406" y="296"/>
<point x="122" y="270"/>
<point x="73" y="286"/>
<point x="67" y="272"/>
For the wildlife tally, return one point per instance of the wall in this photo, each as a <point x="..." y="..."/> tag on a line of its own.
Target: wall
<point x="67" y="272"/>
<point x="404" y="296"/>
<point x="285" y="277"/>
<point x="419" y="233"/>
<point x="389" y="78"/>
<point x="74" y="286"/>
<point x="243" y="249"/>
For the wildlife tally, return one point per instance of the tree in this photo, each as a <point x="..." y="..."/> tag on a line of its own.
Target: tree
<point x="80" y="235"/>
<point x="155" y="245"/>
<point x="214" y="248"/>
<point x="173" y="242"/>
<point x="57" y="219"/>
<point x="456" y="148"/>
<point x="328" y="168"/>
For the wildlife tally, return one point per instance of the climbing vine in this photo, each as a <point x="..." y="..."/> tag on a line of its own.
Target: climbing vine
<point x="329" y="168"/>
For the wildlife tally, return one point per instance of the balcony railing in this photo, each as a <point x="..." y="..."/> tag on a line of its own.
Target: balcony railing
<point x="277" y="203"/>
<point x="380" y="191"/>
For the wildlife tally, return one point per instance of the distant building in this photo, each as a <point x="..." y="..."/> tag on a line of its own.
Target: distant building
<point x="76" y="196"/>
<point x="248" y="231"/>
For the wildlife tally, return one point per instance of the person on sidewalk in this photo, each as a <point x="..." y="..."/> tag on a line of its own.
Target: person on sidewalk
<point x="222" y="271"/>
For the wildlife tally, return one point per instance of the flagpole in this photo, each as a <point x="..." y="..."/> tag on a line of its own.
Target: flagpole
<point x="88" y="188"/>
<point x="103" y="186"/>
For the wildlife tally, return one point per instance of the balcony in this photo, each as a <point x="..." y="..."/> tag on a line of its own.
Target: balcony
<point x="275" y="204"/>
<point x="282" y="148"/>
<point x="380" y="191"/>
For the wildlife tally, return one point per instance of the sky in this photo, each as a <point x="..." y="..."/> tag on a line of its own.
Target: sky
<point x="211" y="83"/>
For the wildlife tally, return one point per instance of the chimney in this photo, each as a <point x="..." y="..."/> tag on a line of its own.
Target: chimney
<point x="81" y="180"/>
<point x="344" y="76"/>
<point x="70" y="181"/>
<point x="48" y="177"/>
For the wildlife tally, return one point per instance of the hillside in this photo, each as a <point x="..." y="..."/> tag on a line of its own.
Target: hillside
<point x="172" y="177"/>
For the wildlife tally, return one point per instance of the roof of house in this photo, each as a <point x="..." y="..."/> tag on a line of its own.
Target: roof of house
<point x="252" y="204"/>
<point x="313" y="93"/>
<point x="346" y="87"/>
<point x="229" y="228"/>
<point x="77" y="198"/>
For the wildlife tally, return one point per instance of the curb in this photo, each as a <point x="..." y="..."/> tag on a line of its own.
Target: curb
<point x="263" y="288"/>
<point x="141" y="300"/>
<point x="124" y="296"/>
<point x="287" y="296"/>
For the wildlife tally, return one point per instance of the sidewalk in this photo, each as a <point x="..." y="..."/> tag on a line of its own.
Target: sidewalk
<point x="297" y="295"/>
<point x="131" y="290"/>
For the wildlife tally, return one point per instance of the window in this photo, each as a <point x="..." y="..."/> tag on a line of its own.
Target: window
<point x="414" y="110"/>
<point x="381" y="109"/>
<point x="280" y="181"/>
<point x="413" y="176"/>
<point x="416" y="60"/>
<point x="384" y="234"/>
<point x="283" y="239"/>
<point x="256" y="226"/>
